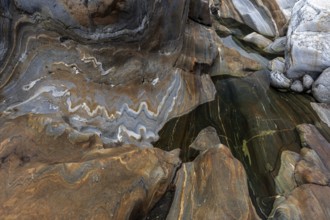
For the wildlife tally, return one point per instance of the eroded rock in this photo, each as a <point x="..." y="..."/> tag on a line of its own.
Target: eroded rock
<point x="279" y="80"/>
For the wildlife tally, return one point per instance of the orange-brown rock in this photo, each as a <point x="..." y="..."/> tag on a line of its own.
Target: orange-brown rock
<point x="116" y="183"/>
<point x="213" y="186"/>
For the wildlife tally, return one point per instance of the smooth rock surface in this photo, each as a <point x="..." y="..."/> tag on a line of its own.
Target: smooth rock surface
<point x="285" y="180"/>
<point x="257" y="39"/>
<point x="277" y="47"/>
<point x="323" y="111"/>
<point x="213" y="186"/>
<point x="206" y="139"/>
<point x="308" y="201"/>
<point x="104" y="184"/>
<point x="308" y="38"/>
<point x="105" y="67"/>
<point x="312" y="138"/>
<point x="321" y="87"/>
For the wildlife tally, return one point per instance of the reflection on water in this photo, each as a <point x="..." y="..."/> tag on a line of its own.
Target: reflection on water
<point x="255" y="121"/>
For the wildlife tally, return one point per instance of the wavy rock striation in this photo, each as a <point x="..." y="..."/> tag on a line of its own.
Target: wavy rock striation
<point x="118" y="69"/>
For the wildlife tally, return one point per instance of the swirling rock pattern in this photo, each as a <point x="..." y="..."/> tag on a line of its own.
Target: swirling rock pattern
<point x="117" y="69"/>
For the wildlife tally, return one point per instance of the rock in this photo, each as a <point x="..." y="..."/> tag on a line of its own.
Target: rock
<point x="232" y="62"/>
<point x="297" y="86"/>
<point x="199" y="11"/>
<point x="323" y="111"/>
<point x="312" y="138"/>
<point x="285" y="181"/>
<point x="206" y="139"/>
<point x="213" y="186"/>
<point x="307" y="82"/>
<point x="277" y="64"/>
<point x="308" y="38"/>
<point x="119" y="75"/>
<point x="257" y="39"/>
<point x="308" y="201"/>
<point x="104" y="184"/>
<point x="279" y="80"/>
<point x="252" y="13"/>
<point x="276" y="47"/>
<point x="310" y="169"/>
<point x="321" y="87"/>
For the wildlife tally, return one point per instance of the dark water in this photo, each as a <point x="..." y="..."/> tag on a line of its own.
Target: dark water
<point x="255" y="121"/>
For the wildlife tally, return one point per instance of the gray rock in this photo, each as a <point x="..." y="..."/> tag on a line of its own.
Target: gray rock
<point x="307" y="82"/>
<point x="308" y="38"/>
<point x="323" y="111"/>
<point x="278" y="46"/>
<point x="277" y="64"/>
<point x="297" y="86"/>
<point x="321" y="87"/>
<point x="257" y="39"/>
<point x="279" y="80"/>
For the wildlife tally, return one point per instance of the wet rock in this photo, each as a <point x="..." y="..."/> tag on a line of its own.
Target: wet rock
<point x="213" y="186"/>
<point x="321" y="87"/>
<point x="277" y="64"/>
<point x="113" y="178"/>
<point x="279" y="80"/>
<point x="276" y="47"/>
<point x="257" y="39"/>
<point x="308" y="201"/>
<point x="199" y="11"/>
<point x="252" y="13"/>
<point x="297" y="86"/>
<point x="206" y="139"/>
<point x="308" y="38"/>
<point x="285" y="180"/>
<point x="307" y="82"/>
<point x="310" y="169"/>
<point x="323" y="111"/>
<point x="312" y="138"/>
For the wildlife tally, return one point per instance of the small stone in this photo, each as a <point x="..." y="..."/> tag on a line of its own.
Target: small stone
<point x="279" y="80"/>
<point x="257" y="39"/>
<point x="278" y="46"/>
<point x="277" y="64"/>
<point x="297" y="86"/>
<point x="307" y="82"/>
<point x="321" y="87"/>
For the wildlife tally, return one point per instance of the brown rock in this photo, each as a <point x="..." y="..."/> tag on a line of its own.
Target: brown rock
<point x="117" y="183"/>
<point x="207" y="138"/>
<point x="199" y="11"/>
<point x="213" y="186"/>
<point x="312" y="138"/>
<point x="308" y="201"/>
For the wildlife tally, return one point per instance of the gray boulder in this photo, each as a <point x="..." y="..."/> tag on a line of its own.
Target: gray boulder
<point x="307" y="82"/>
<point x="277" y="64"/>
<point x="297" y="86"/>
<point x="279" y="80"/>
<point x="321" y="87"/>
<point x="308" y="38"/>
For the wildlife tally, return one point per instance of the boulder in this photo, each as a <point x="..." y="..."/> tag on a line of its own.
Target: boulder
<point x="276" y="47"/>
<point x="308" y="38"/>
<point x="213" y="186"/>
<point x="307" y="82"/>
<point x="258" y="40"/>
<point x="321" y="87"/>
<point x="323" y="111"/>
<point x="277" y="64"/>
<point x="297" y="86"/>
<point x="279" y="80"/>
<point x="308" y="201"/>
